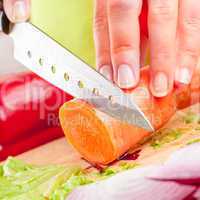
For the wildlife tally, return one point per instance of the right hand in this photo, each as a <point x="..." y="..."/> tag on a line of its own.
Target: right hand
<point x="17" y="10"/>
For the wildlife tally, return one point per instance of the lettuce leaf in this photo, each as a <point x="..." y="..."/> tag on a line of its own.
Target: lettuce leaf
<point x="23" y="181"/>
<point x="19" y="180"/>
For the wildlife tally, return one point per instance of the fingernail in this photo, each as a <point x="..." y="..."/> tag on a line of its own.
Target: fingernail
<point x="160" y="84"/>
<point x="126" y="78"/>
<point x="106" y="71"/>
<point x="183" y="75"/>
<point x="19" y="11"/>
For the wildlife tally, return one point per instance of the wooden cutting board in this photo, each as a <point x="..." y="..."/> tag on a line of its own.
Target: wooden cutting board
<point x="56" y="152"/>
<point x="60" y="152"/>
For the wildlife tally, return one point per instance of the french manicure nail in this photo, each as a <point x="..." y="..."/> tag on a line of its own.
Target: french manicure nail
<point x="183" y="75"/>
<point x="19" y="11"/>
<point x="126" y="77"/>
<point x="160" y="84"/>
<point x="106" y="71"/>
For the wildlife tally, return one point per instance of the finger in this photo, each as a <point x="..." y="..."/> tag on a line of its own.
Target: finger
<point x="101" y="38"/>
<point x="189" y="45"/>
<point x="125" y="40"/>
<point x="17" y="10"/>
<point x="162" y="19"/>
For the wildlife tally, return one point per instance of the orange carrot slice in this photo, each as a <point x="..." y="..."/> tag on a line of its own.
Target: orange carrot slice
<point x="101" y="139"/>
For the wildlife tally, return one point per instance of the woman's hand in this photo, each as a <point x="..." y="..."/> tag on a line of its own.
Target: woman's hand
<point x="174" y="40"/>
<point x="17" y="10"/>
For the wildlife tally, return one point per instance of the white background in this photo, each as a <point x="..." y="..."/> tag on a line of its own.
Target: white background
<point x="7" y="62"/>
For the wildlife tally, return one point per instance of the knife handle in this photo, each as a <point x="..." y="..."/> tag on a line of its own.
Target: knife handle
<point x="5" y="23"/>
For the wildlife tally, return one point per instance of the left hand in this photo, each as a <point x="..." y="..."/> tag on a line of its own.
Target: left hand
<point x="174" y="35"/>
<point x="188" y="39"/>
<point x="174" y="40"/>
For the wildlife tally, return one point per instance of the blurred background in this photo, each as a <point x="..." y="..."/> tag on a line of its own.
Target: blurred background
<point x="27" y="119"/>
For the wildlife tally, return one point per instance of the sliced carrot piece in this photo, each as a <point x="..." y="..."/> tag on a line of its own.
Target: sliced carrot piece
<point x="101" y="139"/>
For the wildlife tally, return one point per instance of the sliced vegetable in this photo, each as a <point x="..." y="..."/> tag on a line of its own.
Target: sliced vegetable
<point x="165" y="136"/>
<point x="131" y="185"/>
<point x="183" y="167"/>
<point x="191" y="117"/>
<point x="101" y="139"/>
<point x="194" y="141"/>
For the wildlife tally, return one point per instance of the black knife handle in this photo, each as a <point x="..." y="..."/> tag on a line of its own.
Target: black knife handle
<point x="5" y="23"/>
<point x="1" y="4"/>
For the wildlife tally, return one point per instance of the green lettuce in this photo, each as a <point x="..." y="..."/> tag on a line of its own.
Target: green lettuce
<point x="19" y="180"/>
<point x="23" y="181"/>
<point x="191" y="117"/>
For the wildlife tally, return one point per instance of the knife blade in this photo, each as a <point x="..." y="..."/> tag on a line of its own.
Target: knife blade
<point x="56" y="64"/>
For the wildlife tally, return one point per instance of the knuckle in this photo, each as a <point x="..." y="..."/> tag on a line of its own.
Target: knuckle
<point x="162" y="10"/>
<point x="121" y="5"/>
<point x="123" y="48"/>
<point x="100" y="22"/>
<point x="193" y="53"/>
<point x="192" y="23"/>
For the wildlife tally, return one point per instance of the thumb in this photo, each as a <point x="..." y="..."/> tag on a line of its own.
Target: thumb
<point x="17" y="10"/>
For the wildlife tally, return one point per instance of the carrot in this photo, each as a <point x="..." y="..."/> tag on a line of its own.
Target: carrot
<point x="101" y="139"/>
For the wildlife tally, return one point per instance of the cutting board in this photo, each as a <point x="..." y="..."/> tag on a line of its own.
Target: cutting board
<point x="56" y="152"/>
<point x="60" y="152"/>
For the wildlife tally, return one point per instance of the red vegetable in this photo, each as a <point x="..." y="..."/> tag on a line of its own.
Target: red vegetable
<point x="27" y="103"/>
<point x="133" y="185"/>
<point x="31" y="141"/>
<point x="143" y="18"/>
<point x="182" y="167"/>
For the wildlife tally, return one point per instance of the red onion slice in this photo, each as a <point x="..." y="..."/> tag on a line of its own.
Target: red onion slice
<point x="183" y="166"/>
<point x="132" y="185"/>
<point x="197" y="194"/>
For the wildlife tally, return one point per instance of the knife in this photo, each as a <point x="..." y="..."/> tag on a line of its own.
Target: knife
<point x="60" y="66"/>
